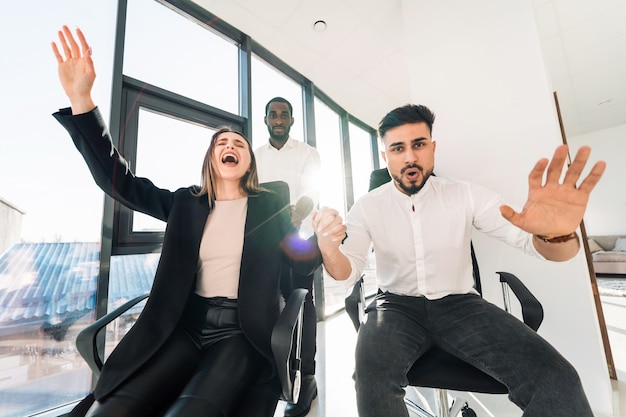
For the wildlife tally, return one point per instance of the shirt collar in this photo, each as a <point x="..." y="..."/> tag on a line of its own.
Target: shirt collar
<point x="289" y="144"/>
<point x="420" y="195"/>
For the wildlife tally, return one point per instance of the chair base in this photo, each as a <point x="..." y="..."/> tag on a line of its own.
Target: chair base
<point x="441" y="403"/>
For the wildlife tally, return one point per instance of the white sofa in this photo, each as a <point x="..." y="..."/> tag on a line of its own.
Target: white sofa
<point x="608" y="254"/>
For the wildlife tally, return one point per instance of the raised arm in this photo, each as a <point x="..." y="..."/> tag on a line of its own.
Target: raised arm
<point x="554" y="209"/>
<point x="76" y="70"/>
<point x="90" y="134"/>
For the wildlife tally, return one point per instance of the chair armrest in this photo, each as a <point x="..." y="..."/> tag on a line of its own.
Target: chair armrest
<point x="355" y="303"/>
<point x="286" y="345"/>
<point x="86" y="339"/>
<point x="532" y="311"/>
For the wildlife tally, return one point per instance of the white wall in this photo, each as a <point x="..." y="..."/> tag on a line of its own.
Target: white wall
<point x="478" y="66"/>
<point x="606" y="213"/>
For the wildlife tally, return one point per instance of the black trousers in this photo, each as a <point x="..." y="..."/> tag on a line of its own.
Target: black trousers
<point x="289" y="281"/>
<point x="206" y="368"/>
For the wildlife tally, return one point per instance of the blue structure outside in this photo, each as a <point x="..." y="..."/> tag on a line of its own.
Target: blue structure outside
<point x="51" y="285"/>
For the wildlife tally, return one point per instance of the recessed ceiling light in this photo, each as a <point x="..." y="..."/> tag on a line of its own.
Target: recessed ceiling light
<point x="319" y="26"/>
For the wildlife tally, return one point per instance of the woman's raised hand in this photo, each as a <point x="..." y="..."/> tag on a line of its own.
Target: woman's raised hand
<point x="76" y="70"/>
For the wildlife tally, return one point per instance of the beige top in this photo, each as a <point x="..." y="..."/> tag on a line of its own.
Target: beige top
<point x="219" y="259"/>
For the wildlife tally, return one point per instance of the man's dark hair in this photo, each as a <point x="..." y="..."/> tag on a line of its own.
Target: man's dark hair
<point x="409" y="113"/>
<point x="278" y="100"/>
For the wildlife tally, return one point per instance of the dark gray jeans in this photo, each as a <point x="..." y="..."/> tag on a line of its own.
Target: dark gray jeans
<point x="401" y="328"/>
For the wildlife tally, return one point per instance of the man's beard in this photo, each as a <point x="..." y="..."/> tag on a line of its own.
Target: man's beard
<point x="280" y="138"/>
<point x="413" y="188"/>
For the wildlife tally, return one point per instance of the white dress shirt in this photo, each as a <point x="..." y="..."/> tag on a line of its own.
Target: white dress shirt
<point x="422" y="242"/>
<point x="296" y="163"/>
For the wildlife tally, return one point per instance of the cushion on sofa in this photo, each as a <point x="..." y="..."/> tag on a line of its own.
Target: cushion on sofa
<point x="593" y="246"/>
<point x="620" y="245"/>
<point x="604" y="256"/>
<point x="606" y="242"/>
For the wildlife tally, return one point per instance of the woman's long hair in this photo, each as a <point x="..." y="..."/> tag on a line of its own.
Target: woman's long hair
<point x="249" y="182"/>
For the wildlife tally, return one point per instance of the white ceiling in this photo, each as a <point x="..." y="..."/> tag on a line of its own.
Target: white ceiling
<point x="360" y="60"/>
<point x="584" y="48"/>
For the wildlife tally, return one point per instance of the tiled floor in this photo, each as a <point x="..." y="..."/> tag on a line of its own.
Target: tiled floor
<point x="335" y="361"/>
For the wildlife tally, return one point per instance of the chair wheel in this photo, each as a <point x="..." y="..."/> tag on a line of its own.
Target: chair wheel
<point x="467" y="412"/>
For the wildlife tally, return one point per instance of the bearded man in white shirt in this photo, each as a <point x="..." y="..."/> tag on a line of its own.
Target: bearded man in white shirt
<point x="420" y="226"/>
<point x="283" y="158"/>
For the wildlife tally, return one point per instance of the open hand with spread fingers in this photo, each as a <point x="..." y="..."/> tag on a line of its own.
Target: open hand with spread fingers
<point x="76" y="69"/>
<point x="556" y="208"/>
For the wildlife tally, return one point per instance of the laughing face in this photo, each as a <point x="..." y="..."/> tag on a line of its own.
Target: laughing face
<point x="231" y="156"/>
<point x="278" y="121"/>
<point x="410" y="156"/>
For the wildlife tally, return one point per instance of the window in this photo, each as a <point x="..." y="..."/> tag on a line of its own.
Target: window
<point x="50" y="211"/>
<point x="328" y="141"/>
<point x="130" y="276"/>
<point x="361" y="156"/>
<point x="47" y="295"/>
<point x="170" y="153"/>
<point x="166" y="49"/>
<point x="332" y="186"/>
<point x="381" y="161"/>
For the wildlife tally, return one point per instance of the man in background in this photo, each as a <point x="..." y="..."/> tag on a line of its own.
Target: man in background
<point x="284" y="159"/>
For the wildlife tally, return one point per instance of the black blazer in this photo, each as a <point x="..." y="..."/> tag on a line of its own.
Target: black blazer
<point x="268" y="230"/>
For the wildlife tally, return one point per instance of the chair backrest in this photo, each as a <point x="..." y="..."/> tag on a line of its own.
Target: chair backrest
<point x="381" y="176"/>
<point x="281" y="188"/>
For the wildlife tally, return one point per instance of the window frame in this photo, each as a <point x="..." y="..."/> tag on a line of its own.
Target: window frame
<point x="135" y="96"/>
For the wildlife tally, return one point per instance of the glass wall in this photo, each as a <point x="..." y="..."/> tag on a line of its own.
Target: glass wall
<point x="362" y="163"/>
<point x="329" y="144"/>
<point x="130" y="276"/>
<point x="168" y="166"/>
<point x="332" y="186"/>
<point x="166" y="49"/>
<point x="361" y="159"/>
<point x="50" y="209"/>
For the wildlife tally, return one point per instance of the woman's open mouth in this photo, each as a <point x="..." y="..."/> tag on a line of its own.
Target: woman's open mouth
<point x="230" y="159"/>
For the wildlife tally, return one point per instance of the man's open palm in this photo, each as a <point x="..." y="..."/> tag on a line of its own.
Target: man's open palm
<point x="556" y="208"/>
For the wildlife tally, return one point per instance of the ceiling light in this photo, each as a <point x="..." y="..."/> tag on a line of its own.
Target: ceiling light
<point x="319" y="26"/>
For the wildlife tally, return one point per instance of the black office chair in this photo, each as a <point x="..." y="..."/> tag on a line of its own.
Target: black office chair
<point x="285" y="340"/>
<point x="437" y="368"/>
